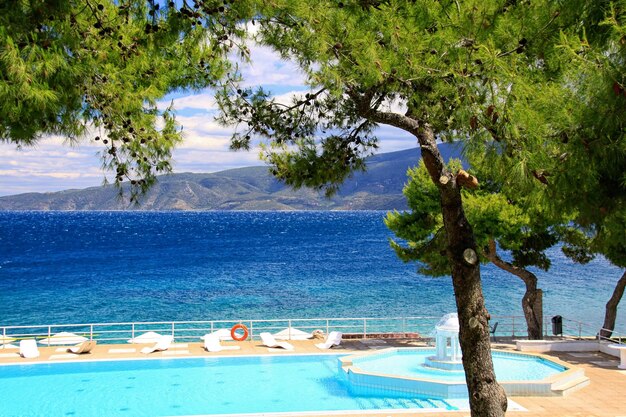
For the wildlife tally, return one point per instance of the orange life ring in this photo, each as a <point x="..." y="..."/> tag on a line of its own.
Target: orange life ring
<point x="233" y="333"/>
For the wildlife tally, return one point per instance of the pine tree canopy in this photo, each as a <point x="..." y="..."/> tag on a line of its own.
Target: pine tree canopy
<point x="95" y="69"/>
<point x="524" y="231"/>
<point x="406" y="64"/>
<point x="565" y="145"/>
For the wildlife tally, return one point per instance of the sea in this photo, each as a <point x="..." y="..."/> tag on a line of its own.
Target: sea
<point x="101" y="267"/>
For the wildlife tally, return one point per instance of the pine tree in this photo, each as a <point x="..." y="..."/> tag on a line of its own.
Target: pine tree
<point x="96" y="68"/>
<point x="524" y="232"/>
<point x="565" y="145"/>
<point x="430" y="68"/>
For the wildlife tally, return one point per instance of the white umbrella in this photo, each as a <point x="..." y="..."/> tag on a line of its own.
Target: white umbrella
<point x="148" y="337"/>
<point x="63" y="338"/>
<point x="222" y="334"/>
<point x="292" y="334"/>
<point x="6" y="339"/>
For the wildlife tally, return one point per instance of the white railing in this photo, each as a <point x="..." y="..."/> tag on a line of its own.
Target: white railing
<point x="578" y="330"/>
<point x="192" y="330"/>
<point x="414" y="327"/>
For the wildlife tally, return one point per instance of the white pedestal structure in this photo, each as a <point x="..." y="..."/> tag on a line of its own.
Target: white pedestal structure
<point x="448" y="348"/>
<point x="448" y="355"/>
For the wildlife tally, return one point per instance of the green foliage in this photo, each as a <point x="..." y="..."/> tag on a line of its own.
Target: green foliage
<point x="565" y="148"/>
<point x="97" y="68"/>
<point x="491" y="214"/>
<point x="432" y="61"/>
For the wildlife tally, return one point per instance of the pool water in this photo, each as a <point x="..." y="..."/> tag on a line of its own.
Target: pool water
<point x="410" y="363"/>
<point x="187" y="387"/>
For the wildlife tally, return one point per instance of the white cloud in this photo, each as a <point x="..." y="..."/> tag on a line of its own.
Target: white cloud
<point x="267" y="68"/>
<point x="204" y="101"/>
<point x="54" y="164"/>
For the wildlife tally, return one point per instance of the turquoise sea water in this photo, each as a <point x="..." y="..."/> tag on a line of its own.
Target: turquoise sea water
<point x="81" y="267"/>
<point x="184" y="387"/>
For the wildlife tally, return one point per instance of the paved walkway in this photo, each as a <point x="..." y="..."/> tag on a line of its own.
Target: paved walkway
<point x="605" y="396"/>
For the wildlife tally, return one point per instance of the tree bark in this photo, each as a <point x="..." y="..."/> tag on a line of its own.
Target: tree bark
<point x="532" y="300"/>
<point x="486" y="397"/>
<point x="611" y="308"/>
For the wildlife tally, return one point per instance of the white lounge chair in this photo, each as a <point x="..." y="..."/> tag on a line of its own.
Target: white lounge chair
<point x="28" y="348"/>
<point x="269" y="341"/>
<point x="212" y="344"/>
<point x="84" y="347"/>
<point x="333" y="339"/>
<point x="163" y="344"/>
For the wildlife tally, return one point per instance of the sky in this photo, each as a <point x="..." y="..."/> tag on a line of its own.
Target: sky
<point x="55" y="165"/>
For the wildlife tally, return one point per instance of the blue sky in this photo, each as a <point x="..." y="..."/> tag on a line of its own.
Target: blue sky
<point x="54" y="165"/>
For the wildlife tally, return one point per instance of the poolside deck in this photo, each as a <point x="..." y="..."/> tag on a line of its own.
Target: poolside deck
<point x="605" y="396"/>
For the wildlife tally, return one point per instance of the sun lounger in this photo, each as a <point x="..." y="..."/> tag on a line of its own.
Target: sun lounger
<point x="84" y="347"/>
<point x="163" y="344"/>
<point x="269" y="341"/>
<point x="333" y="339"/>
<point x="28" y="348"/>
<point x="212" y="344"/>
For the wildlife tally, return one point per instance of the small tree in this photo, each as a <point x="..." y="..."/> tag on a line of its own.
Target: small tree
<point x="494" y="218"/>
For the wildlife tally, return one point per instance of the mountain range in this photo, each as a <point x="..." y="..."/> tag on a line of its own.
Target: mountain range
<point x="250" y="188"/>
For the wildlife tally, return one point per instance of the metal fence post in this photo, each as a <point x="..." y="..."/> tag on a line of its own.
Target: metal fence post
<point x="132" y="331"/>
<point x="289" y="329"/>
<point x="327" y="326"/>
<point x="91" y="332"/>
<point x="580" y="330"/>
<point x="172" y="329"/>
<point x="513" y="332"/>
<point x="365" y="328"/>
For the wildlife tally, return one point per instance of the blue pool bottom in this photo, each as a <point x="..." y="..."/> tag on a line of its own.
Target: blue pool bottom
<point x="191" y="386"/>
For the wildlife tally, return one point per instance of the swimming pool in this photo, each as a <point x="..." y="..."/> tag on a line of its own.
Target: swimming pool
<point x="407" y="371"/>
<point x="190" y="386"/>
<point x="411" y="363"/>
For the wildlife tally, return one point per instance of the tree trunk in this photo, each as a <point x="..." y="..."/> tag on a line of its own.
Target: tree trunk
<point x="532" y="300"/>
<point x="611" y="308"/>
<point x="486" y="397"/>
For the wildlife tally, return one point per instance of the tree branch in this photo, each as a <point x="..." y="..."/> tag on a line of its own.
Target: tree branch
<point x="528" y="277"/>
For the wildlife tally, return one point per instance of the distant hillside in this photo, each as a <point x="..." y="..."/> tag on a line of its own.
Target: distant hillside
<point x="251" y="188"/>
